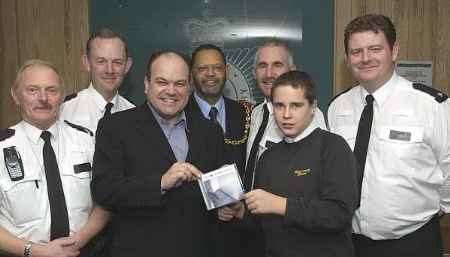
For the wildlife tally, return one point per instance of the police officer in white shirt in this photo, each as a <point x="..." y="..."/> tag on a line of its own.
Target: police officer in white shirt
<point x="107" y="61"/>
<point x="45" y="172"/>
<point x="271" y="60"/>
<point x="405" y="153"/>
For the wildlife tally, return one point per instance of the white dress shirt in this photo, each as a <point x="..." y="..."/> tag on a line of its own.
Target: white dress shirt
<point x="408" y="157"/>
<point x="88" y="107"/>
<point x="272" y="134"/>
<point x="24" y="203"/>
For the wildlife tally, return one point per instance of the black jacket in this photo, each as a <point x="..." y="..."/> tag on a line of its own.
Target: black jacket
<point x="131" y="155"/>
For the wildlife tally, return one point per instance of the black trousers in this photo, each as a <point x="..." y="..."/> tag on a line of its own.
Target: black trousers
<point x="424" y="242"/>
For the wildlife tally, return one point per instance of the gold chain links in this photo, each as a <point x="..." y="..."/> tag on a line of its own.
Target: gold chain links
<point x="248" y="112"/>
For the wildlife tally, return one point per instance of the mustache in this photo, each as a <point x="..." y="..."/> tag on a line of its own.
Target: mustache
<point x="44" y="106"/>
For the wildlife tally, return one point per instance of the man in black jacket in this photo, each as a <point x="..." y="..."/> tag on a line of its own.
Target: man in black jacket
<point x="209" y="74"/>
<point x="145" y="163"/>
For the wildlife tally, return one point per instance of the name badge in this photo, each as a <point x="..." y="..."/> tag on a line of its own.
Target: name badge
<point x="302" y="172"/>
<point x="83" y="167"/>
<point x="13" y="163"/>
<point x="399" y="135"/>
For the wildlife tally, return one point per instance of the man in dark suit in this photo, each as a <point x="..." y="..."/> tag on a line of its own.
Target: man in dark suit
<point x="145" y="165"/>
<point x="209" y="73"/>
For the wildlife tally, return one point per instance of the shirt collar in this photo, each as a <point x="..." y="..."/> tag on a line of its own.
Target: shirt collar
<point x="34" y="134"/>
<point x="205" y="107"/>
<point x="382" y="93"/>
<point x="180" y="120"/>
<point x="309" y="129"/>
<point x="99" y="100"/>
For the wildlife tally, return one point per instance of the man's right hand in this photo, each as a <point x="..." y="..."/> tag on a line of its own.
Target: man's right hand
<point x="178" y="173"/>
<point x="61" y="247"/>
<point x="228" y="212"/>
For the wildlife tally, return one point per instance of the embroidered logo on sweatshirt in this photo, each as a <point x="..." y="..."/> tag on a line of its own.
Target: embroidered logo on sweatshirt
<point x="302" y="172"/>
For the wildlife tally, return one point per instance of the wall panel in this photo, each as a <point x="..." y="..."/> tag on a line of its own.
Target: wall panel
<point x="46" y="29"/>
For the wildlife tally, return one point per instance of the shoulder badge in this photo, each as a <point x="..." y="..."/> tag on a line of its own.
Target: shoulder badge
<point x="438" y="95"/>
<point x="6" y="133"/>
<point x="80" y="128"/>
<point x="336" y="96"/>
<point x="69" y="97"/>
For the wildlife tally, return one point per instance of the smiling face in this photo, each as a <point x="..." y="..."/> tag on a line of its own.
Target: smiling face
<point x="272" y="61"/>
<point x="209" y="74"/>
<point x="168" y="88"/>
<point x="108" y="64"/>
<point x="38" y="93"/>
<point x="292" y="110"/>
<point x="371" y="59"/>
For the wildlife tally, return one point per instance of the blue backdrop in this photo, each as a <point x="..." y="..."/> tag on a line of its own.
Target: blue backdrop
<point x="238" y="26"/>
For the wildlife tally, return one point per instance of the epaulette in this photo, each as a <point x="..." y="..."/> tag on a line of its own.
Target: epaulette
<point x="438" y="95"/>
<point x="336" y="96"/>
<point x="80" y="128"/>
<point x="6" y="133"/>
<point x="71" y="96"/>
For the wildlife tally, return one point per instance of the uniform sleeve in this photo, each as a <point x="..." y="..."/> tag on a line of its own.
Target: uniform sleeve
<point x="111" y="187"/>
<point x="441" y="147"/>
<point x="333" y="209"/>
<point x="330" y="117"/>
<point x="319" y="119"/>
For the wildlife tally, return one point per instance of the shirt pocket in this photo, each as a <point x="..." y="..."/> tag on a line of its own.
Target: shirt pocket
<point x="24" y="199"/>
<point x="348" y="133"/>
<point x="404" y="143"/>
<point x="77" y="179"/>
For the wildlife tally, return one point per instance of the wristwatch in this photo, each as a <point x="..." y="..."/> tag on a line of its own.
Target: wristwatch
<point x="27" y="249"/>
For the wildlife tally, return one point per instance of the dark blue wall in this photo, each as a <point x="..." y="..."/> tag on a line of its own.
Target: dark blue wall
<point x="149" y="25"/>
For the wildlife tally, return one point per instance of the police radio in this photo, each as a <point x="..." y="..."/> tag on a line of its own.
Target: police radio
<point x="13" y="163"/>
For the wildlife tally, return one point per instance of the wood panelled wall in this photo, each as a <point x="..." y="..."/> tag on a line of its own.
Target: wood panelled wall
<point x="53" y="30"/>
<point x="56" y="30"/>
<point x="423" y="32"/>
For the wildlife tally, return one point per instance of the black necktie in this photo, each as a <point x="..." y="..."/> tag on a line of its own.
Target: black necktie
<point x="108" y="108"/>
<point x="251" y="162"/>
<point x="362" y="138"/>
<point x="58" y="209"/>
<point x="213" y="114"/>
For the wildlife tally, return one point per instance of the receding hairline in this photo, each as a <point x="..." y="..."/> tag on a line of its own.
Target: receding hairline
<point x="166" y="54"/>
<point x="276" y="44"/>
<point x="35" y="63"/>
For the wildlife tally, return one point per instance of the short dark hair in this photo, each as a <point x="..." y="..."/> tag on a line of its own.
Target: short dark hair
<point x="207" y="47"/>
<point x="296" y="79"/>
<point x="105" y="33"/>
<point x="155" y="55"/>
<point x="371" y="22"/>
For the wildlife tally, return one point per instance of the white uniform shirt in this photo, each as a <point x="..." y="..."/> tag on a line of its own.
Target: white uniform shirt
<point x="272" y="134"/>
<point x="88" y="107"/>
<point x="24" y="204"/>
<point x="408" y="158"/>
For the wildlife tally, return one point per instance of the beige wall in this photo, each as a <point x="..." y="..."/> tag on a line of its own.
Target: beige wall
<point x="52" y="30"/>
<point x="423" y="32"/>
